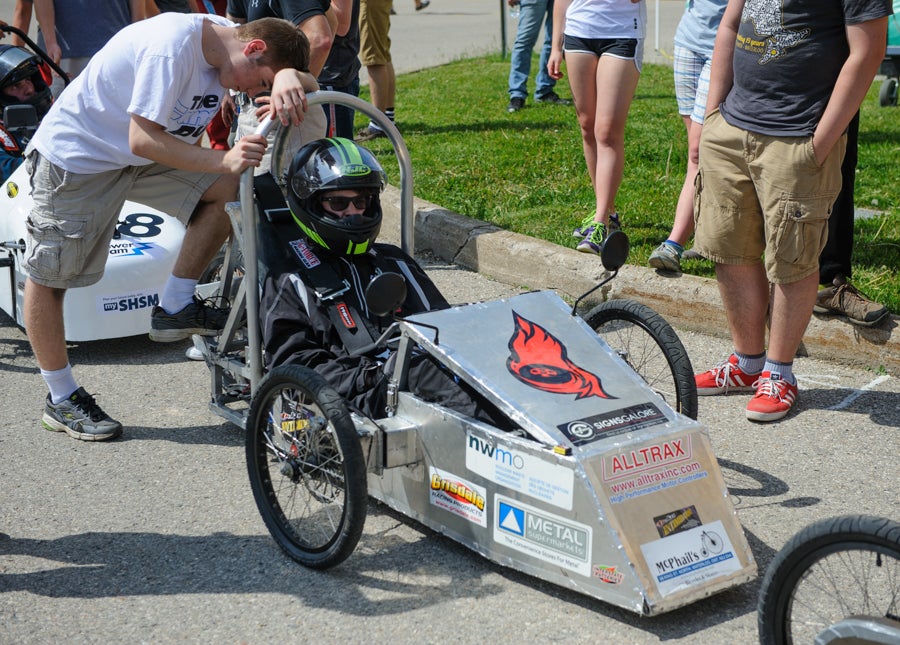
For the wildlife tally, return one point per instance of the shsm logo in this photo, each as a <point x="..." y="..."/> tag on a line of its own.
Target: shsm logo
<point x="539" y="360"/>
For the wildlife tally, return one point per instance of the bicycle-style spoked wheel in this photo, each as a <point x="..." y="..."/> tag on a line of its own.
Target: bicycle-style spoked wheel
<point x="306" y="467"/>
<point x="838" y="577"/>
<point x="651" y="347"/>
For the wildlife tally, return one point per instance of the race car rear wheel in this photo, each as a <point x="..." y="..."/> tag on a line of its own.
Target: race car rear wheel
<point x="651" y="347"/>
<point x="306" y="467"/>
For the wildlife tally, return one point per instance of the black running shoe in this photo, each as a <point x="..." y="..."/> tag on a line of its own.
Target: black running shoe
<point x="199" y="317"/>
<point x="79" y="416"/>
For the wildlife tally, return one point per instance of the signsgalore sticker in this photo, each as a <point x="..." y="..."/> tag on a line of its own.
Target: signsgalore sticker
<point x="458" y="496"/>
<point x="561" y="542"/>
<point x="520" y="471"/>
<point x="690" y="558"/>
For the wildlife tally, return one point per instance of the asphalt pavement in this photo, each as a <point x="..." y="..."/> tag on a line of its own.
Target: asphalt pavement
<point x="156" y="538"/>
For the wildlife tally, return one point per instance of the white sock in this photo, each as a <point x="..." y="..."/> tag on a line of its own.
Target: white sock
<point x="178" y="294"/>
<point x="61" y="383"/>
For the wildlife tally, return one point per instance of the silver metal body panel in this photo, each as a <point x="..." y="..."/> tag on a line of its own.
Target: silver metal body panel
<point x="612" y="494"/>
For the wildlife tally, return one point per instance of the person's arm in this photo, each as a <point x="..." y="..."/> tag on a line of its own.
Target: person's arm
<point x="867" y="42"/>
<point x="721" y="71"/>
<point x="150" y="140"/>
<point x="343" y="13"/>
<point x="320" y="35"/>
<point x="45" y="13"/>
<point x="22" y="19"/>
<point x="141" y="9"/>
<point x="288" y="96"/>
<point x="554" y="62"/>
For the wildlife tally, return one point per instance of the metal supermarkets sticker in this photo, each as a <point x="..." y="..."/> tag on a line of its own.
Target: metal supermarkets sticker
<point x="557" y="540"/>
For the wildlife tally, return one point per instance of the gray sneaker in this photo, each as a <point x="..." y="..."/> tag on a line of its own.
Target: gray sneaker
<point x="665" y="258"/>
<point x="199" y="317"/>
<point x="80" y="417"/>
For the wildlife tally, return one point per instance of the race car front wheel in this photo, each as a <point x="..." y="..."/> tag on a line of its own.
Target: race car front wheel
<point x="644" y="340"/>
<point x="306" y="467"/>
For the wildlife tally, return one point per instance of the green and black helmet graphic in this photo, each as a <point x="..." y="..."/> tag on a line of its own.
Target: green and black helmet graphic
<point x="335" y="164"/>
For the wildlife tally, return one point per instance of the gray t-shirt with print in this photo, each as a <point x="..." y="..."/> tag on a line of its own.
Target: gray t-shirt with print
<point x="787" y="57"/>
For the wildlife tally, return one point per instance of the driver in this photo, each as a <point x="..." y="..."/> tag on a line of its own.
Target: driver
<point x="21" y="83"/>
<point x="334" y="189"/>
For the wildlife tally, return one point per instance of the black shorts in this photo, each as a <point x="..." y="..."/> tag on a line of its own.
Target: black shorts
<point x="619" y="47"/>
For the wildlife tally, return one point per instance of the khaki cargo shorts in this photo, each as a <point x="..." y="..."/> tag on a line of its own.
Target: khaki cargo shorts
<point x="759" y="196"/>
<point x="74" y="216"/>
<point x="374" y="25"/>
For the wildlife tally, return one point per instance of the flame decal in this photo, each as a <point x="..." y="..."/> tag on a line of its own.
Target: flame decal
<point x="539" y="360"/>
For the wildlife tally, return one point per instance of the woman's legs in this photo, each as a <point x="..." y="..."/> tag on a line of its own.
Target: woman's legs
<point x="603" y="90"/>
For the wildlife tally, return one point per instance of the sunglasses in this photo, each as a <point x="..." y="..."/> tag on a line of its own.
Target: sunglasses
<point x="338" y="203"/>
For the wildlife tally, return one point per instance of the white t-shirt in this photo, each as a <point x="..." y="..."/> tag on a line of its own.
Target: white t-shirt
<point x="153" y="68"/>
<point x="606" y="19"/>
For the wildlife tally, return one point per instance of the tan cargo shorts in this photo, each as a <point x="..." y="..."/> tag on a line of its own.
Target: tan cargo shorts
<point x="74" y="216"/>
<point x="759" y="196"/>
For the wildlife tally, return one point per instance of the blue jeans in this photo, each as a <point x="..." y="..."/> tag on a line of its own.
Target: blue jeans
<point x="533" y="12"/>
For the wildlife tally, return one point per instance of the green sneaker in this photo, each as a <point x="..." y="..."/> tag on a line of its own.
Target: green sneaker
<point x="582" y="229"/>
<point x="593" y="241"/>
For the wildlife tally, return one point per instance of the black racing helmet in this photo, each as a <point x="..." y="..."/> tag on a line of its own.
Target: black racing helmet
<point x="16" y="64"/>
<point x="335" y="164"/>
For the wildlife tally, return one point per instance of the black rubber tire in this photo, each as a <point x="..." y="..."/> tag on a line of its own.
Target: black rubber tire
<point x="651" y="347"/>
<point x="835" y="550"/>
<point x="887" y="97"/>
<point x="309" y="478"/>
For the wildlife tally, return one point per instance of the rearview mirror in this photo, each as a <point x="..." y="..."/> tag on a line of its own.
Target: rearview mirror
<point x="385" y="293"/>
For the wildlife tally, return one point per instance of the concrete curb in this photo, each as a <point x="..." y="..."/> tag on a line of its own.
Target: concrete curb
<point x="687" y="302"/>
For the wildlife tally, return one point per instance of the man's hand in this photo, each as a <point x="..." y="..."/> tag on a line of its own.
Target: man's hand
<point x="288" y="98"/>
<point x="247" y="151"/>
<point x="228" y="110"/>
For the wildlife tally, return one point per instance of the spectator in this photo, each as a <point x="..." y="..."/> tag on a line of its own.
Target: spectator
<point x="22" y="20"/>
<point x="770" y="171"/>
<point x="839" y="297"/>
<point x="603" y="42"/>
<point x="336" y="218"/>
<point x="308" y="16"/>
<point x="71" y="31"/>
<point x="341" y="74"/>
<point x="375" y="54"/>
<point x="127" y="128"/>
<point x="533" y="14"/>
<point x="21" y="83"/>
<point x="694" y="40"/>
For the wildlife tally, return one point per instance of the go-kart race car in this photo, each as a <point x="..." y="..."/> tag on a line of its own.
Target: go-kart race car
<point x="604" y="488"/>
<point x="141" y="254"/>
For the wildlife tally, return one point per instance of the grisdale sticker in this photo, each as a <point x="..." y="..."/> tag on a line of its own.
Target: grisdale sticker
<point x="458" y="496"/>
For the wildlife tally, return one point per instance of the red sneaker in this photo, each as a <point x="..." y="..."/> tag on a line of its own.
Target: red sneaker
<point x="725" y="377"/>
<point x="774" y="398"/>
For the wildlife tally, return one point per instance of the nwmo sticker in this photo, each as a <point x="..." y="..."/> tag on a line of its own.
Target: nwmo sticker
<point x="458" y="496"/>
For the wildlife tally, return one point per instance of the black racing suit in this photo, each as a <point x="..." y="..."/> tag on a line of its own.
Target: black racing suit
<point x="297" y="329"/>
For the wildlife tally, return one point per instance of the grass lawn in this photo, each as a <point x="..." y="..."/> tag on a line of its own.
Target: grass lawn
<point x="525" y="171"/>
